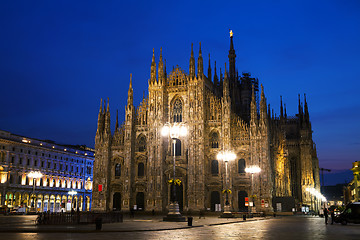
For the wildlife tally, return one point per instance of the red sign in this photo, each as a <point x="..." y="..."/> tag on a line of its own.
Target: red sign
<point x="246" y="199"/>
<point x="262" y="203"/>
<point x="100" y="187"/>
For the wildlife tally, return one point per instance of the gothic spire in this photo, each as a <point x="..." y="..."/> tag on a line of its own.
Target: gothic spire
<point x="161" y="68"/>
<point x="306" y="114"/>
<point x="153" y="69"/>
<point x="216" y="80"/>
<point x="262" y="104"/>
<point x="192" y="64"/>
<point x="117" y="121"/>
<point x="200" y="64"/>
<point x="130" y="92"/>
<point x="107" y="119"/>
<point x="232" y="57"/>
<point x="253" y="109"/>
<point x="285" y="114"/>
<point x="100" y="119"/>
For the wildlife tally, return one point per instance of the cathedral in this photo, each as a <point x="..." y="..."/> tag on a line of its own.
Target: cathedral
<point x="221" y="112"/>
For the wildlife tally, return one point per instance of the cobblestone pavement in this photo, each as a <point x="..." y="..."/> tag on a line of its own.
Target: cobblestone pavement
<point x="294" y="227"/>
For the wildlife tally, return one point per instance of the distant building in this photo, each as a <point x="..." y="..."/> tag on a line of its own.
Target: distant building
<point x="353" y="189"/>
<point x="226" y="112"/>
<point x="64" y="169"/>
<point x="334" y="194"/>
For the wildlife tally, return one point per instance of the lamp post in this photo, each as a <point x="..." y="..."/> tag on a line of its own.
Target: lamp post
<point x="252" y="170"/>
<point x="72" y="193"/>
<point x="226" y="156"/>
<point x="174" y="131"/>
<point x="34" y="175"/>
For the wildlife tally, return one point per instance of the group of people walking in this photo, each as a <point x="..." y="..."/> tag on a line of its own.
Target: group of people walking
<point x="326" y="215"/>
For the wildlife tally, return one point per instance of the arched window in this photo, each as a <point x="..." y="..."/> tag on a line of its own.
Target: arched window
<point x="41" y="182"/>
<point x="19" y="179"/>
<point x="177" y="148"/>
<point x="53" y="183"/>
<point x="214" y="140"/>
<point x="177" y="110"/>
<point x="142" y="144"/>
<point x="141" y="170"/>
<point x="118" y="170"/>
<point x="214" y="167"/>
<point x="241" y="166"/>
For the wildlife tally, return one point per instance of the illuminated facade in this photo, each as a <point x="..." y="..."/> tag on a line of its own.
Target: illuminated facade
<point x="63" y="168"/>
<point x="222" y="112"/>
<point x="354" y="185"/>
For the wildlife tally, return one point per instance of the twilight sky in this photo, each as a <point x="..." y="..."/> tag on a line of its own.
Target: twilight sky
<point x="58" y="58"/>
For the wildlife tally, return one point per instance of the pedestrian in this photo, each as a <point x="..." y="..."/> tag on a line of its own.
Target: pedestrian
<point x="326" y="215"/>
<point x="332" y="216"/>
<point x="131" y="213"/>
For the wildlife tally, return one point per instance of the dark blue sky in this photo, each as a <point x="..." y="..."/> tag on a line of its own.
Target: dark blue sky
<point x="58" y="58"/>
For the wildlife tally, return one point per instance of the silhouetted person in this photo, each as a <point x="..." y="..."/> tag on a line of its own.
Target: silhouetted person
<point x="332" y="216"/>
<point x="326" y="215"/>
<point x="131" y="212"/>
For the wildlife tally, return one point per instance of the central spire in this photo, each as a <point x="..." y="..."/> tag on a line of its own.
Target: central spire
<point x="232" y="57"/>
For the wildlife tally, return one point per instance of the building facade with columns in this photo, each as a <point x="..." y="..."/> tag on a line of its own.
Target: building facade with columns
<point x="66" y="181"/>
<point x="222" y="112"/>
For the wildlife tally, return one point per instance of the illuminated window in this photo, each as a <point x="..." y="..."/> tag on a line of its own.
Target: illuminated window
<point x="214" y="167"/>
<point x="118" y="170"/>
<point x="141" y="170"/>
<point x="177" y="111"/>
<point x="214" y="140"/>
<point x="241" y="166"/>
<point x="142" y="144"/>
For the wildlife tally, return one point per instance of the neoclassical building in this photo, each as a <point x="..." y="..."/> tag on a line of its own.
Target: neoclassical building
<point x="225" y="112"/>
<point x="65" y="170"/>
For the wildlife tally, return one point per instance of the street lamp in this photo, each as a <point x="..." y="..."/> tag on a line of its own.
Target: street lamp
<point x="252" y="170"/>
<point x="174" y="131"/>
<point x="226" y="156"/>
<point x="34" y="175"/>
<point x="72" y="193"/>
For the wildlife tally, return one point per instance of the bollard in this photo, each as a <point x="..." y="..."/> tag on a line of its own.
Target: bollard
<point x="190" y="219"/>
<point x="98" y="223"/>
<point x="244" y="217"/>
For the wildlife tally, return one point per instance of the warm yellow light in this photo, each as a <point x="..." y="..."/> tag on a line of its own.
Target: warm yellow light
<point x="175" y="130"/>
<point x="35" y="174"/>
<point x="226" y="156"/>
<point x="231" y="33"/>
<point x="253" y="169"/>
<point x="165" y="131"/>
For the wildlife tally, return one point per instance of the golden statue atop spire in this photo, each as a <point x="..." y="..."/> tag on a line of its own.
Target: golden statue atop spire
<point x="231" y="33"/>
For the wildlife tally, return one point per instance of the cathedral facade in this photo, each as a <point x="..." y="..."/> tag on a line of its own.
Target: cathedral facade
<point x="224" y="112"/>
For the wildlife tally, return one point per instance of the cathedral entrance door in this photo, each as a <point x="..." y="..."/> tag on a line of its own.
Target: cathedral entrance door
<point x="117" y="201"/>
<point x="241" y="201"/>
<point x="140" y="201"/>
<point x="215" y="199"/>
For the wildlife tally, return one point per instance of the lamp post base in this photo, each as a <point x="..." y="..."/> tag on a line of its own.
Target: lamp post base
<point x="174" y="214"/>
<point x="227" y="213"/>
